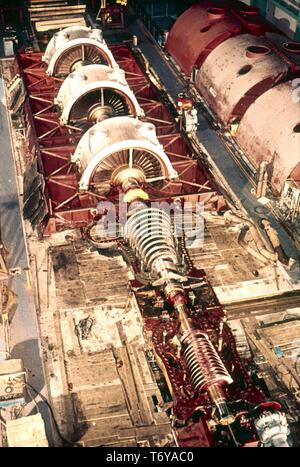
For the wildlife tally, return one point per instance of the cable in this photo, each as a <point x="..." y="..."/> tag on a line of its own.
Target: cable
<point x="33" y="399"/>
<point x="44" y="399"/>
<point x="2" y="423"/>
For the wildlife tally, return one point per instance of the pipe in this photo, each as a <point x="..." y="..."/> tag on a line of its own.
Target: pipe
<point x="262" y="180"/>
<point x="134" y="41"/>
<point x="244" y="244"/>
<point x="274" y="239"/>
<point x="272" y="256"/>
<point x="264" y="184"/>
<point x="261" y="247"/>
<point x="272" y="234"/>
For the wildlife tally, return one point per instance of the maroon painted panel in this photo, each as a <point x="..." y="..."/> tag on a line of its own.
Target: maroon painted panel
<point x="54" y="145"/>
<point x="200" y="28"/>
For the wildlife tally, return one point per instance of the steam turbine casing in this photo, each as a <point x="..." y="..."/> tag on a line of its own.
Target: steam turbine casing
<point x="236" y="72"/>
<point x="121" y="143"/>
<point x="270" y="131"/>
<point x="75" y="46"/>
<point x="95" y="87"/>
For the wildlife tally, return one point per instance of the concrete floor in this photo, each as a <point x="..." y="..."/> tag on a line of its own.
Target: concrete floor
<point x="95" y="401"/>
<point x="235" y="274"/>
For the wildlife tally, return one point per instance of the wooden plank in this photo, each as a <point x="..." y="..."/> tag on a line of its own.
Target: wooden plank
<point x="66" y="7"/>
<point x="60" y="21"/>
<point x="41" y="7"/>
<point x="62" y="18"/>
<point x="51" y="17"/>
<point x="41" y="2"/>
<point x="40" y="27"/>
